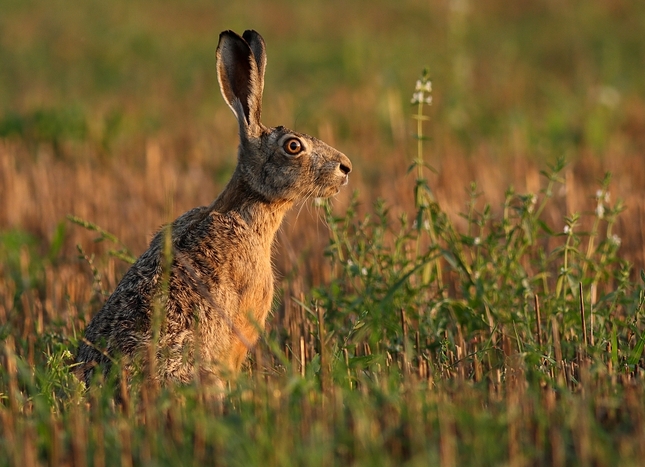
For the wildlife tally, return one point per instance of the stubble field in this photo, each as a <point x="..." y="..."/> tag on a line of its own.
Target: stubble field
<point x="483" y="308"/>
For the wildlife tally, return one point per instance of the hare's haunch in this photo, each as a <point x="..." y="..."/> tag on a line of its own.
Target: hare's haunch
<point x="211" y="281"/>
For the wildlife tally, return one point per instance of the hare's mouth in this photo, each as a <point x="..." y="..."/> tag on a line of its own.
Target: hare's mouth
<point x="329" y="191"/>
<point x="343" y="182"/>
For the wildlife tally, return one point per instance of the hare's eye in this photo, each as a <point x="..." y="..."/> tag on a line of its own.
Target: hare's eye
<point x="292" y="146"/>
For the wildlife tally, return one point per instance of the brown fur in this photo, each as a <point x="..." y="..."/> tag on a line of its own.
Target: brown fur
<point x="217" y="291"/>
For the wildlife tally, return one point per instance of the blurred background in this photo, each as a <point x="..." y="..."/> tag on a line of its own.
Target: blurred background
<point x="111" y="111"/>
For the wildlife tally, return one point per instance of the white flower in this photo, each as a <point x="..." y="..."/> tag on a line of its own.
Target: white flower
<point x="477" y="241"/>
<point x="603" y="196"/>
<point x="364" y="271"/>
<point x="417" y="97"/>
<point x="420" y="86"/>
<point x="567" y="229"/>
<point x="420" y="90"/>
<point x="600" y="211"/>
<point x="615" y="239"/>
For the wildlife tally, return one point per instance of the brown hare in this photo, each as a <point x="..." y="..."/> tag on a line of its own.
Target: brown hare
<point x="214" y="297"/>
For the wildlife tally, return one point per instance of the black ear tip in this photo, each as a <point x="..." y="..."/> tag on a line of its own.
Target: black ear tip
<point x="229" y="34"/>
<point x="251" y="35"/>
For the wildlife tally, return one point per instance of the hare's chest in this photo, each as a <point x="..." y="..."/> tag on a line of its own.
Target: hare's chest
<point x="255" y="294"/>
<point x="254" y="283"/>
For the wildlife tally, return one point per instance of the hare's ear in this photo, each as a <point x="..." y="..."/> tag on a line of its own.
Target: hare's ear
<point x="256" y="43"/>
<point x="239" y="77"/>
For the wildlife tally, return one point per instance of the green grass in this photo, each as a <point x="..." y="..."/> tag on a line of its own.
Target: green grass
<point x="508" y="331"/>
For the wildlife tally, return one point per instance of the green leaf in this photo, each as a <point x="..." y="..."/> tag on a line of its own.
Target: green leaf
<point x="391" y="291"/>
<point x="614" y="346"/>
<point x="637" y="351"/>
<point x="545" y="228"/>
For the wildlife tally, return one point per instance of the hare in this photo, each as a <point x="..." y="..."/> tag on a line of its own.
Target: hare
<point x="208" y="276"/>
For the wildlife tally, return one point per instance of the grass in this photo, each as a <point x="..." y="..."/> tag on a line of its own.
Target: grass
<point x="486" y="312"/>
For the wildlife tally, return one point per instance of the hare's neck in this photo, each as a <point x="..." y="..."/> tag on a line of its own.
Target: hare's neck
<point x="262" y="215"/>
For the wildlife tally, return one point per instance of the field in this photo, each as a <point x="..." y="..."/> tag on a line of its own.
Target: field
<point x="474" y="297"/>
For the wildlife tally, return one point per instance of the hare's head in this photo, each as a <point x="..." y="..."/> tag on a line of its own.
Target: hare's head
<point x="276" y="163"/>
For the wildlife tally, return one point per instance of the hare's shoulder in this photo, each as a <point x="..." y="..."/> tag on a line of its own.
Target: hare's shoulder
<point x="136" y="289"/>
<point x="204" y="228"/>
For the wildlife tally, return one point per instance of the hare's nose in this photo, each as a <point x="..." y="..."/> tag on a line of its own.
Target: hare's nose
<point x="345" y="164"/>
